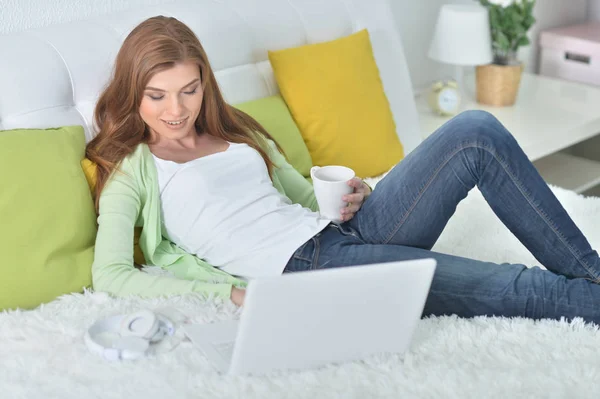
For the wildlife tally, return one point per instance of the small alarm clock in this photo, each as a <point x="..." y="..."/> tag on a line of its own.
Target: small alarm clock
<point x="445" y="98"/>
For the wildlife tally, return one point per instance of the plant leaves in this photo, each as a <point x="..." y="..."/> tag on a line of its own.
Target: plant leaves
<point x="509" y="26"/>
<point x="502" y="41"/>
<point x="524" y="41"/>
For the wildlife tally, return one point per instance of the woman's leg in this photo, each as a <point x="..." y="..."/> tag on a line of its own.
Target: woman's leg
<point x="461" y="286"/>
<point x="413" y="203"/>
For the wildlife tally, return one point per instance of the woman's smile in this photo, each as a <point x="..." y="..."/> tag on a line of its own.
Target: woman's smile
<point x="176" y="124"/>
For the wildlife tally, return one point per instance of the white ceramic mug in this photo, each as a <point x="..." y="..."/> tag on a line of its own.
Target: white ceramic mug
<point x="331" y="184"/>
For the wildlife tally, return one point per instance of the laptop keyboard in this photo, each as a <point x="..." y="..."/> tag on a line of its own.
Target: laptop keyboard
<point x="225" y="349"/>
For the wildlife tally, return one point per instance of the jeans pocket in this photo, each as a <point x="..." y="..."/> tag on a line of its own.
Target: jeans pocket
<point x="346" y="230"/>
<point x="303" y="258"/>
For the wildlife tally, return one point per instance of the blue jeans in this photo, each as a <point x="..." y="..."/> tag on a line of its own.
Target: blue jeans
<point x="409" y="208"/>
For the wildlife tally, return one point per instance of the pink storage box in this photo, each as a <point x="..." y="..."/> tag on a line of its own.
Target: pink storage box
<point x="572" y="53"/>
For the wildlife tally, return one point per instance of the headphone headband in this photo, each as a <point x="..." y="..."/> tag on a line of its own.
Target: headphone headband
<point x="130" y="336"/>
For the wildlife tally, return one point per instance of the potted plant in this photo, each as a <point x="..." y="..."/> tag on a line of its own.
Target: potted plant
<point x="510" y="20"/>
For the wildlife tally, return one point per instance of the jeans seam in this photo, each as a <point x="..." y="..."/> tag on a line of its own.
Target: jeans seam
<point x="316" y="254"/>
<point x="544" y="217"/>
<point x="420" y="195"/>
<point x="302" y="258"/>
<point x="549" y="222"/>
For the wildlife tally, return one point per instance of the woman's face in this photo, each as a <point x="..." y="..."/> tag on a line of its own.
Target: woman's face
<point x="171" y="102"/>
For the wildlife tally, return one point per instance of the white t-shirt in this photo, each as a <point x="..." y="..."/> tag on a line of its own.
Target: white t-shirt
<point x="224" y="209"/>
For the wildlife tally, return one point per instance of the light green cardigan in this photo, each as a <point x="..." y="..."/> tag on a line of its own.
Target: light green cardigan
<point x="131" y="199"/>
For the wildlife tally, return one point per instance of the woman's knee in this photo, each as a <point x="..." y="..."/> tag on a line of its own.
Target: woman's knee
<point x="481" y="126"/>
<point x="476" y="116"/>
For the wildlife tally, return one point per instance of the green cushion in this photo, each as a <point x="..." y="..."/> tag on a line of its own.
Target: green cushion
<point x="273" y="114"/>
<point x="48" y="218"/>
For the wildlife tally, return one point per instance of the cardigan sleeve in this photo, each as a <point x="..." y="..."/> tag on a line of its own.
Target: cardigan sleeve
<point x="113" y="270"/>
<point x="295" y="186"/>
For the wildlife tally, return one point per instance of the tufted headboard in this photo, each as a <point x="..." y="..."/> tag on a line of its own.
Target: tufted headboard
<point x="52" y="76"/>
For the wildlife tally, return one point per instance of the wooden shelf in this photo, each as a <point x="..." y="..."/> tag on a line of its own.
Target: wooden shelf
<point x="570" y="172"/>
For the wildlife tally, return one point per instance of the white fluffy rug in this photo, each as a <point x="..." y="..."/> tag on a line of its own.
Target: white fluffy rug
<point x="42" y="354"/>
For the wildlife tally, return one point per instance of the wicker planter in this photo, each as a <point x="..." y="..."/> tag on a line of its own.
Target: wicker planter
<point x="498" y="85"/>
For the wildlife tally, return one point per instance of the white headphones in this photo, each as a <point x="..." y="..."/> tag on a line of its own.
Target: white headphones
<point x="131" y="336"/>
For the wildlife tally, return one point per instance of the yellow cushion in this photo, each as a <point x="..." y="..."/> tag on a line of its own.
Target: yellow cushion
<point x="89" y="169"/>
<point x="336" y="97"/>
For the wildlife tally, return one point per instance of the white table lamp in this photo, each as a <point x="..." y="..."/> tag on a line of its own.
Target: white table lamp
<point x="462" y="37"/>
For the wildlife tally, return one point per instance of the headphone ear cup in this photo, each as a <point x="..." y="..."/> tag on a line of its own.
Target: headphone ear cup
<point x="143" y="324"/>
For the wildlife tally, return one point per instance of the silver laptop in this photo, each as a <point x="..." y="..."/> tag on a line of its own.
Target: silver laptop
<point x="309" y="319"/>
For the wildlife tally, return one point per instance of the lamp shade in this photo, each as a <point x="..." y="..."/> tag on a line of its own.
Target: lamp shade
<point x="462" y="35"/>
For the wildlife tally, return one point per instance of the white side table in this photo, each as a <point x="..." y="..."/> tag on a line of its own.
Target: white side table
<point x="550" y="115"/>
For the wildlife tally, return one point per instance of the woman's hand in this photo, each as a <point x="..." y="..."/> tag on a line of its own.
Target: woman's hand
<point x="356" y="199"/>
<point x="238" y="295"/>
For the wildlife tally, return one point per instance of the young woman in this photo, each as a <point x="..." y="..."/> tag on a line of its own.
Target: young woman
<point x="218" y="204"/>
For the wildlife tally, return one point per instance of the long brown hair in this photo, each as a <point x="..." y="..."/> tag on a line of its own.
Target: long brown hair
<point x="153" y="46"/>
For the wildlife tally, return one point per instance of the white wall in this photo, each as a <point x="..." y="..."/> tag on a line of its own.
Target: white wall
<point x="594" y="10"/>
<point x="416" y="19"/>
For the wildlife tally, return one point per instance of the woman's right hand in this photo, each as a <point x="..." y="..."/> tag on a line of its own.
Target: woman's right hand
<point x="238" y="295"/>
